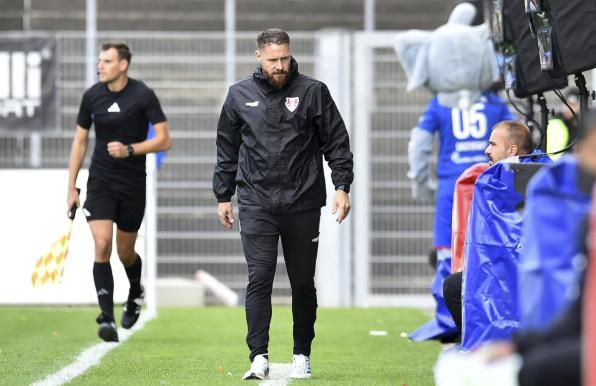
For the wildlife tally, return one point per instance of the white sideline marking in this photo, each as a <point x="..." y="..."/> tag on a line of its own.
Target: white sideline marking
<point x="279" y="375"/>
<point x="92" y="356"/>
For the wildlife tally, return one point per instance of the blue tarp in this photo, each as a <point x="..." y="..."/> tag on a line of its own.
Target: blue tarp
<point x="492" y="249"/>
<point x="442" y="324"/>
<point x="535" y="156"/>
<point x="554" y="210"/>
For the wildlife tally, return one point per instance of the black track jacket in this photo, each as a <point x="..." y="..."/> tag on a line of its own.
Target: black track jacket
<point x="270" y="144"/>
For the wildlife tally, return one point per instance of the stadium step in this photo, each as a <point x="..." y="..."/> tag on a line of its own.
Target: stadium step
<point x="208" y="15"/>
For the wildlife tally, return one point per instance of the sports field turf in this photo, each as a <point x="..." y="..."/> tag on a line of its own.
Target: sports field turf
<point x="205" y="346"/>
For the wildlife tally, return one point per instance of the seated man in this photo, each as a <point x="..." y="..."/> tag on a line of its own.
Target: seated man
<point x="553" y="356"/>
<point x="507" y="139"/>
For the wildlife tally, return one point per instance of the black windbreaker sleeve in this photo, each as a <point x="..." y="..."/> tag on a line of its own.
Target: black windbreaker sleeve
<point x="334" y="140"/>
<point x="228" y="145"/>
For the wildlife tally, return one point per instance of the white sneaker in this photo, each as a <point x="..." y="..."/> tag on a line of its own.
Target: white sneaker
<point x="300" y="367"/>
<point x="259" y="369"/>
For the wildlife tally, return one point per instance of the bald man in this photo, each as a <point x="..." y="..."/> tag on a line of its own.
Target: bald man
<point x="507" y="139"/>
<point x="554" y="356"/>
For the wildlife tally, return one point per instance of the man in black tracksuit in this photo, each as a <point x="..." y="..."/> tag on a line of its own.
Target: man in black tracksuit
<point x="274" y="128"/>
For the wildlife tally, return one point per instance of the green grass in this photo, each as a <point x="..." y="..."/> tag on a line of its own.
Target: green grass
<point x="205" y="346"/>
<point x="38" y="341"/>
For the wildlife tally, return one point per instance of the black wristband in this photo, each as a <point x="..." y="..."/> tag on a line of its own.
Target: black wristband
<point x="131" y="150"/>
<point x="345" y="188"/>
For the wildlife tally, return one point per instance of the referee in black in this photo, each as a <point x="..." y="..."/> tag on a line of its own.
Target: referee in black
<point x="121" y="108"/>
<point x="275" y="126"/>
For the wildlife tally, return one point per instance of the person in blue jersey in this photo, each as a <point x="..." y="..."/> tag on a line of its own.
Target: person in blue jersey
<point x="463" y="137"/>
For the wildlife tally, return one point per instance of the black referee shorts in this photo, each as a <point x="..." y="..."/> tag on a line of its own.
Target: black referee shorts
<point x="122" y="203"/>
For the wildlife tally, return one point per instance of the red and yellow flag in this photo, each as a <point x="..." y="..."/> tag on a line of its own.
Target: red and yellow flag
<point x="50" y="267"/>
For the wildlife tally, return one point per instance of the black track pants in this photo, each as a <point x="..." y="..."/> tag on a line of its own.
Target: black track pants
<point x="260" y="232"/>
<point x="452" y="295"/>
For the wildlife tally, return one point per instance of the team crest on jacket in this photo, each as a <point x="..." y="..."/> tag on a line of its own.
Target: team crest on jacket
<point x="292" y="103"/>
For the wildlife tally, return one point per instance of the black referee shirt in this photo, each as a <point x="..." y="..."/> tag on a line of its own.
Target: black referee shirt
<point x="119" y="116"/>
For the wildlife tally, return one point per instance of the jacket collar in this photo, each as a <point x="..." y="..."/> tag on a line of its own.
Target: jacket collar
<point x="264" y="83"/>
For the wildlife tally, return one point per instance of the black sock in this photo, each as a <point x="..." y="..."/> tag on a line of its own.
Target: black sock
<point x="104" y="285"/>
<point x="134" y="277"/>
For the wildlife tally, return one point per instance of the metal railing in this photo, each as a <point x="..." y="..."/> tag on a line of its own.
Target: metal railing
<point x="391" y="234"/>
<point x="187" y="72"/>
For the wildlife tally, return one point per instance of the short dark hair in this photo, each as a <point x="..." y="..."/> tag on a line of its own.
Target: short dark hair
<point x="121" y="47"/>
<point x="519" y="134"/>
<point x="587" y="125"/>
<point x="272" y="36"/>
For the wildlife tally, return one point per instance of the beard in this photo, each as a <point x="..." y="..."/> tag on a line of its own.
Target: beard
<point x="277" y="79"/>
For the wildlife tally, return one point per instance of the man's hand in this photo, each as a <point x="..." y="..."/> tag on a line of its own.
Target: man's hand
<point x="117" y="149"/>
<point x="341" y="202"/>
<point x="72" y="199"/>
<point x="226" y="214"/>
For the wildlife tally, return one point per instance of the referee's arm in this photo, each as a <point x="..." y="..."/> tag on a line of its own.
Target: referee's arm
<point x="78" y="151"/>
<point x="161" y="142"/>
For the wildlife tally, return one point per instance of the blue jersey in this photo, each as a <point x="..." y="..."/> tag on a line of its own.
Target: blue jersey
<point x="463" y="134"/>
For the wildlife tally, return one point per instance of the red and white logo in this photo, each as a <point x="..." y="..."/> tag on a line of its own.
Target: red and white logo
<point x="292" y="103"/>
